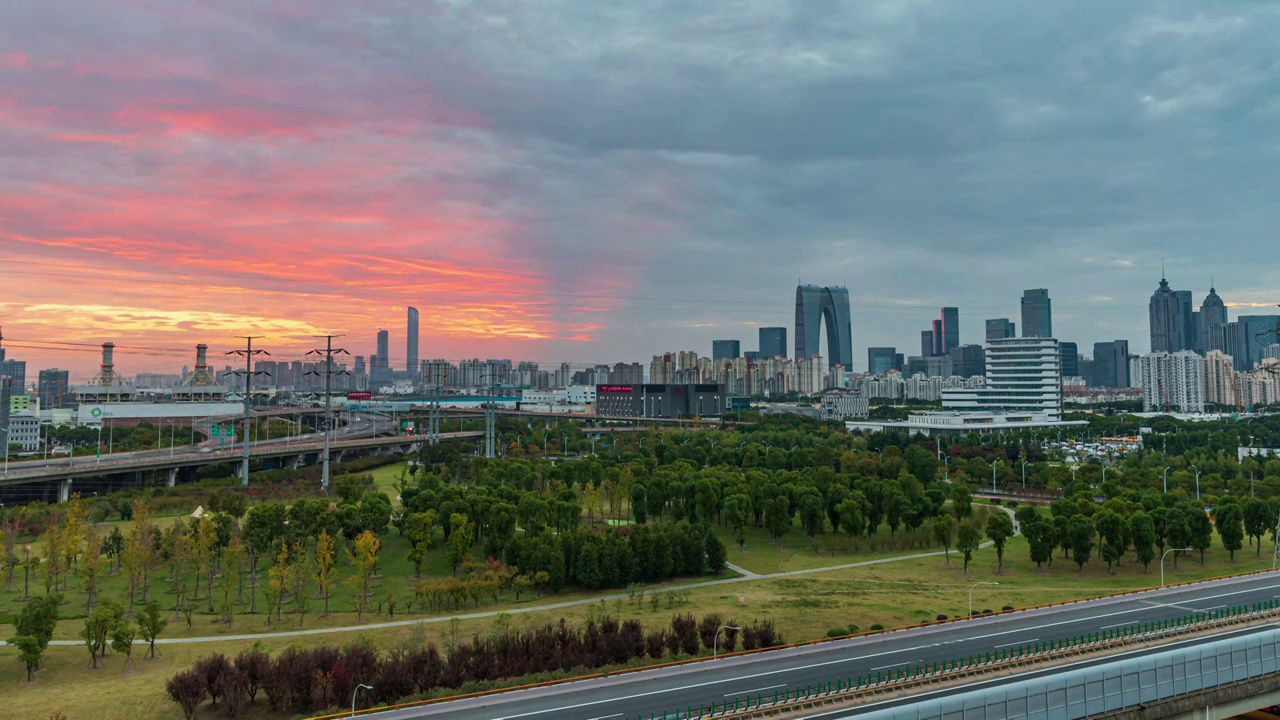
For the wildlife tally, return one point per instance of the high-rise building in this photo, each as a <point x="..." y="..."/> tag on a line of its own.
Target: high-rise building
<point x="950" y="323"/>
<point x="1255" y="333"/>
<point x="773" y="342"/>
<point x="1037" y="313"/>
<point x="16" y="370"/>
<point x="1172" y="382"/>
<point x="938" y="342"/>
<point x="52" y="387"/>
<point x="411" y="343"/>
<point x="968" y="361"/>
<point x="725" y="349"/>
<point x="882" y="360"/>
<point x="926" y="343"/>
<point x="1212" y="315"/>
<point x="1070" y="354"/>
<point x="1219" y="378"/>
<point x="1170" y="319"/>
<point x="1111" y="364"/>
<point x="815" y="305"/>
<point x="384" y="344"/>
<point x="1000" y="328"/>
<point x="1023" y="375"/>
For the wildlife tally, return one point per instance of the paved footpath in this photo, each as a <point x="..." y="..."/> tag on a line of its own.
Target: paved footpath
<point x="747" y="576"/>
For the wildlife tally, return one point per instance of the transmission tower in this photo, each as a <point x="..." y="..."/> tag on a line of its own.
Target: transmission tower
<point x="434" y="384"/>
<point x="490" y="415"/>
<point x="248" y="353"/>
<point x="328" y="352"/>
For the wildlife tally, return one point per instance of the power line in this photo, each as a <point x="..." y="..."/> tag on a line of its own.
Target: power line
<point x="248" y="354"/>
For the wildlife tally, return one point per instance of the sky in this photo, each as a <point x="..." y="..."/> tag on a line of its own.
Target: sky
<point x="583" y="181"/>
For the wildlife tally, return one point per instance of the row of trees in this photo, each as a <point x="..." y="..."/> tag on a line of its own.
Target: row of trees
<point x="298" y="680"/>
<point x="105" y="628"/>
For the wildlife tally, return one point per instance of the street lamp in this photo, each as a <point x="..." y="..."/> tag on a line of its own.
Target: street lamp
<point x="715" y="642"/>
<point x="1162" y="557"/>
<point x="1024" y="473"/>
<point x="975" y="587"/>
<point x="353" y="696"/>
<point x="1193" y="467"/>
<point x="1166" y="481"/>
<point x="993" y="475"/>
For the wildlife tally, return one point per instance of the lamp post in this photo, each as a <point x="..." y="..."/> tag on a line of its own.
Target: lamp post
<point x="1193" y="467"/>
<point x="353" y="696"/>
<point x="975" y="587"/>
<point x="993" y="475"/>
<point x="1166" y="480"/>
<point x="1024" y="473"/>
<point x="715" y="642"/>
<point x="1162" y="557"/>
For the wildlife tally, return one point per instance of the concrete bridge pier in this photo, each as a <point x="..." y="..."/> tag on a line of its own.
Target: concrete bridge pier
<point x="240" y="469"/>
<point x="294" y="462"/>
<point x="171" y="478"/>
<point x="64" y="490"/>
<point x="339" y="457"/>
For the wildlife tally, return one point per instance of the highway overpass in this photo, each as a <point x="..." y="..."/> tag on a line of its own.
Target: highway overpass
<point x="640" y="694"/>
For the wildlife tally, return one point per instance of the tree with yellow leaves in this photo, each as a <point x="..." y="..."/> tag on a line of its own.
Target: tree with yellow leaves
<point x="364" y="559"/>
<point x="326" y="570"/>
<point x="92" y="564"/>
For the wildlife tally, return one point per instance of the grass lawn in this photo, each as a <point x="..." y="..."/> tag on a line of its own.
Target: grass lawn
<point x="802" y="607"/>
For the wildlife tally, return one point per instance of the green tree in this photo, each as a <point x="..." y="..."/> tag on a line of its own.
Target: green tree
<point x="1110" y="532"/>
<point x="1199" y="529"/>
<point x="151" y="623"/>
<point x="1080" y="536"/>
<point x="737" y="510"/>
<point x="1176" y="532"/>
<point x="460" y="539"/>
<point x="961" y="500"/>
<point x="1258" y="519"/>
<point x="122" y="636"/>
<point x="968" y="540"/>
<point x="1229" y="518"/>
<point x="852" y="518"/>
<point x="1042" y="537"/>
<point x="812" y="513"/>
<point x="717" y="554"/>
<point x="944" y="529"/>
<point x="98" y="626"/>
<point x="777" y="516"/>
<point x="33" y="628"/>
<point x="418" y="529"/>
<point x="999" y="529"/>
<point x="1142" y="529"/>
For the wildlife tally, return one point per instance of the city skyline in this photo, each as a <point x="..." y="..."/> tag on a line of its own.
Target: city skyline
<point x="157" y="197"/>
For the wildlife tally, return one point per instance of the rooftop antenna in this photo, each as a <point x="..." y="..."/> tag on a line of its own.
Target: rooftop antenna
<point x="1162" y="269"/>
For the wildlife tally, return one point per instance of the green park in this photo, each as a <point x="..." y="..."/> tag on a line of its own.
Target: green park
<point x="442" y="573"/>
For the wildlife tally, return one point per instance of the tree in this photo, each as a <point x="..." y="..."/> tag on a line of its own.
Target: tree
<point x="1199" y="529"/>
<point x="944" y="529"/>
<point x="1111" y="530"/>
<point x="1080" y="537"/>
<point x="460" y="539"/>
<point x="716" y="552"/>
<point x="1142" y="530"/>
<point x="151" y="623"/>
<point x="968" y="540"/>
<point x="326" y="570"/>
<point x="92" y="565"/>
<point x="737" y="509"/>
<point x="280" y="579"/>
<point x="34" y="628"/>
<point x="1176" y="532"/>
<point x="961" y="500"/>
<point x="364" y="559"/>
<point x="122" y="636"/>
<point x="1229" y="518"/>
<point x="777" y="516"/>
<point x="418" y="529"/>
<point x="850" y="510"/>
<point x="204" y="554"/>
<point x="999" y="529"/>
<point x="1258" y="519"/>
<point x="139" y="556"/>
<point x="98" y="626"/>
<point x="812" y="513"/>
<point x="188" y="689"/>
<point x="232" y="563"/>
<point x="1042" y="537"/>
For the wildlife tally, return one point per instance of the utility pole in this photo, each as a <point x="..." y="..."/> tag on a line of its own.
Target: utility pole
<point x="327" y="351"/>
<point x="490" y="417"/>
<point x="434" y="383"/>
<point x="248" y="353"/>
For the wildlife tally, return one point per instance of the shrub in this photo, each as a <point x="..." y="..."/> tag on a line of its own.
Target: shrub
<point x="212" y="668"/>
<point x="941" y="617"/>
<point x="253" y="663"/>
<point x="837" y="632"/>
<point x="877" y="626"/>
<point x="188" y="689"/>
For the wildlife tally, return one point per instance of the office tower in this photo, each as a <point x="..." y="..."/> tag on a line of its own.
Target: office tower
<point x="1188" y="317"/>
<point x="968" y="361"/>
<point x="384" y="345"/>
<point x="1000" y="328"/>
<point x="814" y="306"/>
<point x="1255" y="333"/>
<point x="1070" y="355"/>
<point x="1111" y="364"/>
<point x="1086" y="370"/>
<point x="725" y="349"/>
<point x="773" y="342"/>
<point x="411" y="344"/>
<point x="1172" y="382"/>
<point x="950" y="322"/>
<point x="926" y="343"/>
<point x="1212" y="315"/>
<point x="882" y="360"/>
<point x="1037" y="313"/>
<point x="1023" y="375"/>
<point x="13" y="369"/>
<point x="1170" y="318"/>
<point x="937" y="338"/>
<point x="52" y="387"/>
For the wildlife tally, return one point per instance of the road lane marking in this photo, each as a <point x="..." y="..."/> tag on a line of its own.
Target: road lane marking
<point x="997" y="647"/>
<point x="748" y="692"/>
<point x="1215" y="607"/>
<point x="838" y="661"/>
<point x="606" y="717"/>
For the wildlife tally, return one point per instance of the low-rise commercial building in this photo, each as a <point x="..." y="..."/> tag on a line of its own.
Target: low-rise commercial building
<point x="661" y="400"/>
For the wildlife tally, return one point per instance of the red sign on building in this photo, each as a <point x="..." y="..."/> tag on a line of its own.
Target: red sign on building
<point x="359" y="395"/>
